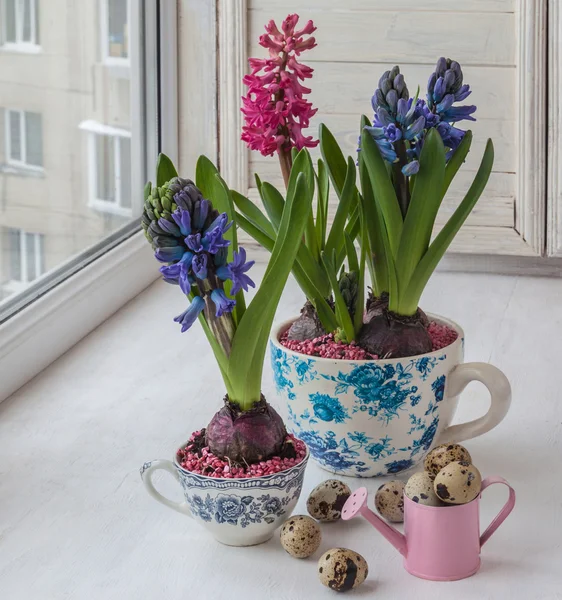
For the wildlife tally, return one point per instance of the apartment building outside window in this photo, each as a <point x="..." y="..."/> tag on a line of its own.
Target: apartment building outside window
<point x="109" y="168"/>
<point x="23" y="138"/>
<point x="20" y="24"/>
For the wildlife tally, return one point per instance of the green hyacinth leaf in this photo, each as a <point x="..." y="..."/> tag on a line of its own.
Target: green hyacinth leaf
<point x="348" y="193"/>
<point x="253" y="213"/>
<point x="273" y="202"/>
<point x="342" y="312"/>
<point x="249" y="345"/>
<point x="456" y="161"/>
<point x="165" y="170"/>
<point x="323" y="193"/>
<point x="373" y="225"/>
<point x="442" y="241"/>
<point x="333" y="157"/>
<point x="383" y="190"/>
<point x="422" y="211"/>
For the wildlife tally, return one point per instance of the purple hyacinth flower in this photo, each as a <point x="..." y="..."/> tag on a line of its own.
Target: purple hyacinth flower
<point x="188" y="317"/>
<point x="402" y="110"/>
<point x="377" y="133"/>
<point x="463" y="93"/>
<point x="458" y="113"/>
<point x="200" y="214"/>
<point x="384" y="117"/>
<point x="392" y="133"/>
<point x="213" y="241"/>
<point x="169" y="254"/>
<point x="222" y="222"/>
<point x="415" y="128"/>
<point x="223" y="304"/>
<point x="193" y="242"/>
<point x="236" y="270"/>
<point x="411" y="168"/>
<point x="169" y="227"/>
<point x="439" y="90"/>
<point x="183" y="220"/>
<point x="199" y="265"/>
<point x="446" y="103"/>
<point x="171" y="273"/>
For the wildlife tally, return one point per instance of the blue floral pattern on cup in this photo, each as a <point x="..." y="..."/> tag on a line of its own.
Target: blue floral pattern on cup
<point x="366" y="418"/>
<point x="236" y="509"/>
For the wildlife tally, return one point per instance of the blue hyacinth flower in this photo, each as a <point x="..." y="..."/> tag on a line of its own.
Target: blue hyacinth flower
<point x="223" y="304"/>
<point x="188" y="317"/>
<point x="236" y="271"/>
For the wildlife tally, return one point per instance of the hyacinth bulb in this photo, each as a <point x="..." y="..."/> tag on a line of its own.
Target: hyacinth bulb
<point x="394" y="336"/>
<point x="246" y="437"/>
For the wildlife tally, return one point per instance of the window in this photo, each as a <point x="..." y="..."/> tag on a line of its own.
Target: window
<point x="23" y="259"/>
<point x="20" y="24"/>
<point x="115" y="31"/>
<point x="109" y="168"/>
<point x="24" y="139"/>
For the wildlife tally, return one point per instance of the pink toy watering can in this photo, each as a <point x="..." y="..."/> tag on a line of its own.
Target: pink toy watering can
<point x="439" y="543"/>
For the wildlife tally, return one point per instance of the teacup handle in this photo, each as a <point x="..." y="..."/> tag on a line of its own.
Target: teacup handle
<point x="504" y="512"/>
<point x="500" y="395"/>
<point x="146" y="472"/>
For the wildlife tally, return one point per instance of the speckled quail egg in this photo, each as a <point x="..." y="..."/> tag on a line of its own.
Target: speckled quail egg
<point x="419" y="488"/>
<point x="458" y="483"/>
<point x="389" y="500"/>
<point x="327" y="499"/>
<point x="341" y="569"/>
<point x="442" y="455"/>
<point x="301" y="536"/>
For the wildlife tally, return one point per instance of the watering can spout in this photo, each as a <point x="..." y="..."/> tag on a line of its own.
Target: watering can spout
<point x="356" y="504"/>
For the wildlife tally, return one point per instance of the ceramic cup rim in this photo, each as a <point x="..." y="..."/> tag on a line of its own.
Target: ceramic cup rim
<point x="234" y="482"/>
<point x="282" y="328"/>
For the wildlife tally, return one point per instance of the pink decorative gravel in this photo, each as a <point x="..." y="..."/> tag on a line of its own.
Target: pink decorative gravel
<point x="202" y="462"/>
<point x="441" y="335"/>
<point x="326" y="347"/>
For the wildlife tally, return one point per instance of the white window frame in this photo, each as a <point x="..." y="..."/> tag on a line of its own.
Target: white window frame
<point x="20" y="45"/>
<point x="94" y="129"/>
<point x="104" y="36"/>
<point x="21" y="164"/>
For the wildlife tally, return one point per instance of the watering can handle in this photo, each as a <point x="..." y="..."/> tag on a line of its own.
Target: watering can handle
<point x="504" y="512"/>
<point x="500" y="396"/>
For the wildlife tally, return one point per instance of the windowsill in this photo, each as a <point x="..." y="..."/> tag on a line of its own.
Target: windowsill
<point x="22" y="170"/>
<point x="110" y="208"/>
<point x="22" y="48"/>
<point x="75" y="437"/>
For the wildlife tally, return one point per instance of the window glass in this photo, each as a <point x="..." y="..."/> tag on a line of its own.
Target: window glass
<point x="26" y="15"/>
<point x="14" y="272"/>
<point x="33" y="139"/>
<point x="125" y="171"/>
<point x="105" y="168"/>
<point x="14" y="135"/>
<point x="10" y="12"/>
<point x="118" y="38"/>
<point x="67" y="152"/>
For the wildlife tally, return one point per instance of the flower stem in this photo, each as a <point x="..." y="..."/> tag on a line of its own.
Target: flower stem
<point x="286" y="163"/>
<point x="400" y="180"/>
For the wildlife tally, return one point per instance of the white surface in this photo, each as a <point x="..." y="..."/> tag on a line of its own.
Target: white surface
<point x="76" y="523"/>
<point x="501" y="45"/>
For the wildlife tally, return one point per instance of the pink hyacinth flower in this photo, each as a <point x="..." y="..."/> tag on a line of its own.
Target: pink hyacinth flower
<point x="275" y="108"/>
